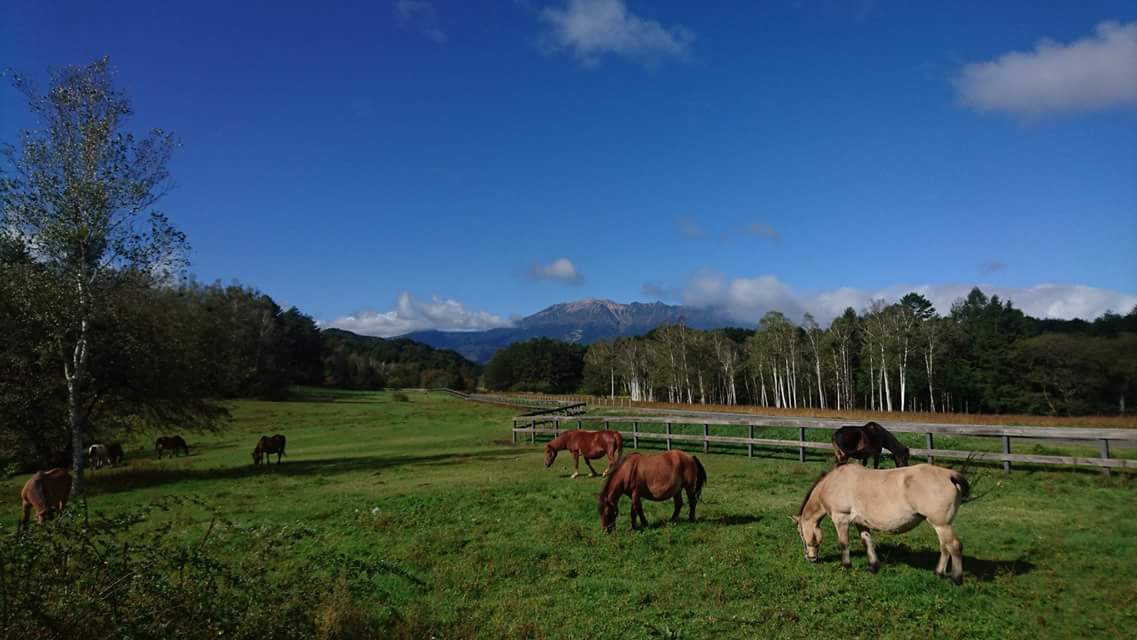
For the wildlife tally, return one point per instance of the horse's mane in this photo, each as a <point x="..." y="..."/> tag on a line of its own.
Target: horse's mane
<point x="611" y="476"/>
<point x="811" y="488"/>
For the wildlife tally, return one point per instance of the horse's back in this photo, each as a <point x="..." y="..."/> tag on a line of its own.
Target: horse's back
<point x="848" y="438"/>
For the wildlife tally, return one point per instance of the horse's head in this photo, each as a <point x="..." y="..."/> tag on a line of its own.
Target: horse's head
<point x="810" y="532"/>
<point x="900" y="454"/>
<point x="257" y="455"/>
<point x="609" y="511"/>
<point x="550" y="455"/>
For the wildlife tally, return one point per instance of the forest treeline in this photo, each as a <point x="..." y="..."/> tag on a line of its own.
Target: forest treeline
<point x="984" y="356"/>
<point x="161" y="356"/>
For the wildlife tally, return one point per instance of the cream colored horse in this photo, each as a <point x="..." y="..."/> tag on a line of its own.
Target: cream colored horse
<point x="889" y="500"/>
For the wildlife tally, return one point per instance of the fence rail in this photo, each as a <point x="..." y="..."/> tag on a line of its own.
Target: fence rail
<point x="1060" y="435"/>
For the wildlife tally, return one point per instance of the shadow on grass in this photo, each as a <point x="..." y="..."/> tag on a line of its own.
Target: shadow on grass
<point x="152" y="475"/>
<point x="977" y="568"/>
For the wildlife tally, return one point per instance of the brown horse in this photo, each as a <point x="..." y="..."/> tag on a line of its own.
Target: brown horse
<point x="866" y="442"/>
<point x="46" y="492"/>
<point x="589" y="444"/>
<point x="172" y="444"/>
<point x="114" y="451"/>
<point x="889" y="500"/>
<point x="267" y="446"/>
<point x="656" y="477"/>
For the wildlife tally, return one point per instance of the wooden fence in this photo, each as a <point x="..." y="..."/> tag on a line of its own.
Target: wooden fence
<point x="1059" y="435"/>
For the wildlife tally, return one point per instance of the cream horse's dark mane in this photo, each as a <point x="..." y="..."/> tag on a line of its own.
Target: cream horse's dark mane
<point x="810" y="492"/>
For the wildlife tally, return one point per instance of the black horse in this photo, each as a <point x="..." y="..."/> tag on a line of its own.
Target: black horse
<point x="866" y="442"/>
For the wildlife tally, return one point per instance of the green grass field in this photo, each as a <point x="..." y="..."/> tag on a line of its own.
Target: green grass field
<point x="478" y="539"/>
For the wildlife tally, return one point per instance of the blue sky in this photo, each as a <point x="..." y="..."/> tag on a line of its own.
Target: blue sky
<point x="391" y="166"/>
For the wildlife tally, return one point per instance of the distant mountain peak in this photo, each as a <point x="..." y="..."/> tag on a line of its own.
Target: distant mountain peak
<point x="581" y="321"/>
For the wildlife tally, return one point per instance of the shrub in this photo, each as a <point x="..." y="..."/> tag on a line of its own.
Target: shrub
<point x="399" y="396"/>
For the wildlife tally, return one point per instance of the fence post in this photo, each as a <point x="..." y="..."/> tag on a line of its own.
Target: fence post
<point x="750" y="445"/>
<point x="1105" y="454"/>
<point x="801" y="449"/>
<point x="532" y="433"/>
<point x="668" y="436"/>
<point x="706" y="443"/>
<point x="1006" y="449"/>
<point x="513" y="431"/>
<point x="605" y="425"/>
<point x="635" y="435"/>
<point x="931" y="445"/>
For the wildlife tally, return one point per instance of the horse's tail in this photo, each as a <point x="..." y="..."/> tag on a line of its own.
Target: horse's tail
<point x="700" y="477"/>
<point x="960" y="480"/>
<point x="619" y="444"/>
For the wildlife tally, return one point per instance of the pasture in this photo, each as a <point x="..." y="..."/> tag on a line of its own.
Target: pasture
<point x="478" y="539"/>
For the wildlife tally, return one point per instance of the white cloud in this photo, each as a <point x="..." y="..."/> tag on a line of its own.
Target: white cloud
<point x="1097" y="72"/>
<point x="747" y="299"/>
<point x="595" y="28"/>
<point x="416" y="315"/>
<point x="561" y="269"/>
<point x="760" y="230"/>
<point x="420" y="16"/>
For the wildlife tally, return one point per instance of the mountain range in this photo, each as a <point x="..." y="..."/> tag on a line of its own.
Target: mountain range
<point x="584" y="321"/>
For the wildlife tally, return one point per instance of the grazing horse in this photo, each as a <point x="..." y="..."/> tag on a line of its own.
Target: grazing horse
<point x="267" y="446"/>
<point x="46" y="492"/>
<point x="172" y="444"/>
<point x="98" y="455"/>
<point x="114" y="452"/>
<point x="889" y="500"/>
<point x="866" y="442"/>
<point x="656" y="477"/>
<point x="590" y="445"/>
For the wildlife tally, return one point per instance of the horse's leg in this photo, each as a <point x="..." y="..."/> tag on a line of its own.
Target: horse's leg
<point x="678" y="506"/>
<point x="637" y="509"/>
<point x="875" y="460"/>
<point x="27" y="516"/>
<point x="842" y="526"/>
<point x="949" y="544"/>
<point x="866" y="538"/>
<point x="586" y="461"/>
<point x="610" y="456"/>
<point x="575" y="463"/>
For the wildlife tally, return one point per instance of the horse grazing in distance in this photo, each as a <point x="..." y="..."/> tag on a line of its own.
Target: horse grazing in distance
<point x="47" y="493"/>
<point x="655" y="477"/>
<point x="267" y="446"/>
<point x="589" y="444"/>
<point x="889" y="500"/>
<point x="98" y="455"/>
<point x="172" y="444"/>
<point x="866" y="442"/>
<point x="114" y="452"/>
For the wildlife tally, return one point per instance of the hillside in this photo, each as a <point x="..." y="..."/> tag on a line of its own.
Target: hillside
<point x="353" y="361"/>
<point x="581" y="322"/>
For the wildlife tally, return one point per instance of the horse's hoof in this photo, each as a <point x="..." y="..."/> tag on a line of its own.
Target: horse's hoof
<point x="873" y="568"/>
<point x="958" y="580"/>
<point x="575" y="475"/>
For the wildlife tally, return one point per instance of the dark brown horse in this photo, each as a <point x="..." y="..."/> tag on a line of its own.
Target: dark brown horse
<point x="267" y="446"/>
<point x="866" y="442"/>
<point x="172" y="444"/>
<point x="114" y="450"/>
<point x="590" y="444"/>
<point x="655" y="477"/>
<point x="46" y="492"/>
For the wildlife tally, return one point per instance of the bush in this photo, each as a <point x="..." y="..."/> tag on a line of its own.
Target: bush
<point x="399" y="396"/>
